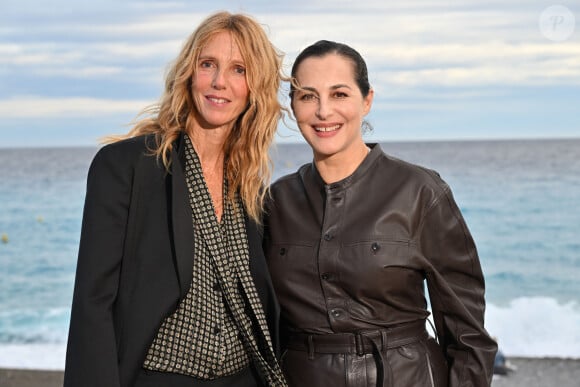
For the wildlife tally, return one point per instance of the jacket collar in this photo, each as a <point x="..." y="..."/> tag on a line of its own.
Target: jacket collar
<point x="181" y="217"/>
<point x="310" y="172"/>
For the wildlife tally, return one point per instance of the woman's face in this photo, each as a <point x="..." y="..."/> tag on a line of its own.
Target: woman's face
<point x="329" y="106"/>
<point x="219" y="87"/>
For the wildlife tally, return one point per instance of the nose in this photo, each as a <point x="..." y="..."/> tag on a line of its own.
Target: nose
<point x="323" y="109"/>
<point x="218" y="81"/>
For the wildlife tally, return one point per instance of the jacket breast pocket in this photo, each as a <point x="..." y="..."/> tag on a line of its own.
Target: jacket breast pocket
<point x="384" y="276"/>
<point x="294" y="273"/>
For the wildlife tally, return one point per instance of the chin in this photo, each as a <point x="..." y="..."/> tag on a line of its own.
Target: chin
<point x="325" y="150"/>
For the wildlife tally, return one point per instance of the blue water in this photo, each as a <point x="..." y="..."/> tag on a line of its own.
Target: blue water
<point x="519" y="199"/>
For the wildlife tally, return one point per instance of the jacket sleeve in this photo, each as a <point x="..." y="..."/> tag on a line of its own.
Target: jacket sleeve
<point x="456" y="289"/>
<point x="91" y="358"/>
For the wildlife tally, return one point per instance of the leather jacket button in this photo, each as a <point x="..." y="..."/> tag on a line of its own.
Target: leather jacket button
<point x="327" y="237"/>
<point x="325" y="276"/>
<point x="336" y="313"/>
<point x="375" y="247"/>
<point x="282" y="251"/>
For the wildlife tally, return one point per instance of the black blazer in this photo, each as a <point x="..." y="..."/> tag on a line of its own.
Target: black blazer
<point x="135" y="262"/>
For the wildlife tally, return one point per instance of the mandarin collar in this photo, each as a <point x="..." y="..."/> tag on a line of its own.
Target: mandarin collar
<point x="359" y="172"/>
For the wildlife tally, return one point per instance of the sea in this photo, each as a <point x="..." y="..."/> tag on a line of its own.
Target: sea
<point x="520" y="198"/>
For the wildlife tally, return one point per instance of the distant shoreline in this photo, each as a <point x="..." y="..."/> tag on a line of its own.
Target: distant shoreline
<point x="302" y="142"/>
<point x="547" y="371"/>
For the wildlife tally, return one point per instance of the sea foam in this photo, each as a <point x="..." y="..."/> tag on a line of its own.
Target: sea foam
<point x="528" y="327"/>
<point x="536" y="327"/>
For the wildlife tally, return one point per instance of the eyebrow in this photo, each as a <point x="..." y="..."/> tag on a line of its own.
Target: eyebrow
<point x="333" y="87"/>
<point x="239" y="61"/>
<point x="339" y="86"/>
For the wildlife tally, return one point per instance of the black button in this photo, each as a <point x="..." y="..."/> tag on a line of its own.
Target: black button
<point x="216" y="286"/>
<point x="216" y="331"/>
<point x="326" y="276"/>
<point x="336" y="313"/>
<point x="282" y="251"/>
<point x="375" y="247"/>
<point x="327" y="237"/>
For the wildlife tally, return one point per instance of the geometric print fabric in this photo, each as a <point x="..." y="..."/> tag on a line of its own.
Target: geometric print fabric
<point x="213" y="331"/>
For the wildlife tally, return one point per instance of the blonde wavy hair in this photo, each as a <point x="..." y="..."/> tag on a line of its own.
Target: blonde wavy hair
<point x="248" y="163"/>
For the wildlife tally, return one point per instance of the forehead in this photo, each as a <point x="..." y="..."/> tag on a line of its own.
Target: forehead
<point x="222" y="45"/>
<point x="331" y="68"/>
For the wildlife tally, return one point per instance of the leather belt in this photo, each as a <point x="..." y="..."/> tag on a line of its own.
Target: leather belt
<point x="362" y="342"/>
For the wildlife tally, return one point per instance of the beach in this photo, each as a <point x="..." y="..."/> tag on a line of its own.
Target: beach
<point x="540" y="372"/>
<point x="530" y="372"/>
<point x="30" y="378"/>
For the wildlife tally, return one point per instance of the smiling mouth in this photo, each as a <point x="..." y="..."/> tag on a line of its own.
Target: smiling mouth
<point x="327" y="128"/>
<point x="217" y="100"/>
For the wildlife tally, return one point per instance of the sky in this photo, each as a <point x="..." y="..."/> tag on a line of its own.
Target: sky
<point x="73" y="71"/>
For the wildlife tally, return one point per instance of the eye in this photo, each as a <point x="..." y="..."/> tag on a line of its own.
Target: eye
<point x="340" y="94"/>
<point x="206" y="64"/>
<point x="240" y="70"/>
<point x="307" y="97"/>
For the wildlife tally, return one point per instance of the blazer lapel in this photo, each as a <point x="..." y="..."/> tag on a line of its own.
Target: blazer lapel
<point x="182" y="220"/>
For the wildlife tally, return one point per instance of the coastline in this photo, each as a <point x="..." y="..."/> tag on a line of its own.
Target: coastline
<point x="529" y="372"/>
<point x="10" y="377"/>
<point x="540" y="372"/>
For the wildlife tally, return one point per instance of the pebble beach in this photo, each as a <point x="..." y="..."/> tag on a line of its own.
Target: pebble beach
<point x="529" y="372"/>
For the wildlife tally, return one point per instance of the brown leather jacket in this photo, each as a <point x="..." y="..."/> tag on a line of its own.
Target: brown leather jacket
<point x="354" y="255"/>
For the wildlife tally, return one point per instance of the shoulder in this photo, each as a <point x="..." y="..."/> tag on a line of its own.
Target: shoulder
<point x="290" y="181"/>
<point x="413" y="174"/>
<point x="127" y="152"/>
<point x="129" y="148"/>
<point x="124" y="156"/>
<point x="418" y="181"/>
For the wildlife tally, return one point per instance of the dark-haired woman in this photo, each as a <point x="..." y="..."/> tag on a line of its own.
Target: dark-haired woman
<point x="352" y="238"/>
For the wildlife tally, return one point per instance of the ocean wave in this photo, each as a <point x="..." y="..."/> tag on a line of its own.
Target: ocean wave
<point x="34" y="326"/>
<point x="536" y="327"/>
<point x="33" y="356"/>
<point x="527" y="326"/>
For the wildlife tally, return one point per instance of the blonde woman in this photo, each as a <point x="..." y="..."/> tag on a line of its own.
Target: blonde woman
<point x="171" y="286"/>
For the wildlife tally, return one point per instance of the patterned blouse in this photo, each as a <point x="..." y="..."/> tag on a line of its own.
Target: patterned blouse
<point x="216" y="328"/>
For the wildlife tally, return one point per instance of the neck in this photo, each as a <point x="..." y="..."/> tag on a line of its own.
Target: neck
<point x="209" y="145"/>
<point x="339" y="166"/>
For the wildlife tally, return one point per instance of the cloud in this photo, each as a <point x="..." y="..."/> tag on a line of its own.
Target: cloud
<point x="104" y="58"/>
<point x="38" y="107"/>
<point x="433" y="42"/>
<point x="490" y="75"/>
